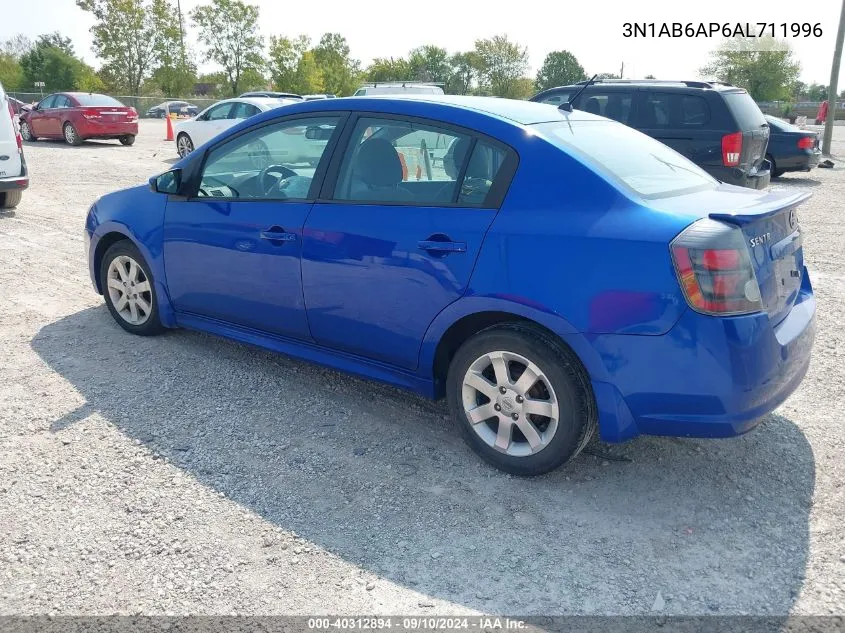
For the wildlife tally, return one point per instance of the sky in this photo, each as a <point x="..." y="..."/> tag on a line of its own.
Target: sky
<point x="592" y="31"/>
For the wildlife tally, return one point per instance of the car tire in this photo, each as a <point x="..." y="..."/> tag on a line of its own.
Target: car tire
<point x="127" y="139"/>
<point x="71" y="135"/>
<point x="126" y="281"/>
<point x="10" y="199"/>
<point x="184" y="145"/>
<point x="776" y="173"/>
<point x="563" y="414"/>
<point x="26" y="133"/>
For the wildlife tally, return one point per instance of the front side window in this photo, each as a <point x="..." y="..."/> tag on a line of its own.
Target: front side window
<point x="397" y="161"/>
<point x="557" y="98"/>
<point x="273" y="162"/>
<point x="48" y="103"/>
<point x="242" y="110"/>
<point x="218" y="113"/>
<point x="62" y="102"/>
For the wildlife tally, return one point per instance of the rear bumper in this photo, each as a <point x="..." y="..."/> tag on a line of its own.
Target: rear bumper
<point x="707" y="377"/>
<point x="21" y="181"/>
<point x="93" y="129"/>
<point x="800" y="162"/>
<point x="758" y="179"/>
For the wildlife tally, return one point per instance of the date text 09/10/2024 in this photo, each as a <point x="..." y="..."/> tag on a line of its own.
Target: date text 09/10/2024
<point x="721" y="29"/>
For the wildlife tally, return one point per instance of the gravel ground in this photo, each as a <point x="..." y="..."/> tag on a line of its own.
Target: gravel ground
<point x="188" y="474"/>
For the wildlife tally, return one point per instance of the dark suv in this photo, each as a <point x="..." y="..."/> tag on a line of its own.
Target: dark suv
<point x="716" y="125"/>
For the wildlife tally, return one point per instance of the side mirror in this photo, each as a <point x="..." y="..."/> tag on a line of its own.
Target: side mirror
<point x="169" y="182"/>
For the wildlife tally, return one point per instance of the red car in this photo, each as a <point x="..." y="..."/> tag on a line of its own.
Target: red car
<point x="77" y="116"/>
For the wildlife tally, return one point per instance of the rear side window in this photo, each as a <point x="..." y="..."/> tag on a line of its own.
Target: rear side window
<point x="613" y="105"/>
<point x="632" y="159"/>
<point x="694" y="111"/>
<point x="98" y="100"/>
<point x="655" y="110"/>
<point x="405" y="162"/>
<point x="748" y="116"/>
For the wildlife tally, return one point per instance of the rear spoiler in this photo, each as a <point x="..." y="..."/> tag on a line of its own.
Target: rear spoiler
<point x="772" y="204"/>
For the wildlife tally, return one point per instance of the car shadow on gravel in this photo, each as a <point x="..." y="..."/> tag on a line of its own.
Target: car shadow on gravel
<point x="379" y="477"/>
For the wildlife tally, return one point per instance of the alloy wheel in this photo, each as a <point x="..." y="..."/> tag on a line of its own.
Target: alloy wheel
<point x="129" y="290"/>
<point x="510" y="403"/>
<point x="184" y="146"/>
<point x="70" y="134"/>
<point x="26" y="133"/>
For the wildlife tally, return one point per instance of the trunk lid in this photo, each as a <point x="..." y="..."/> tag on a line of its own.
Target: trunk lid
<point x="774" y="241"/>
<point x="110" y="114"/>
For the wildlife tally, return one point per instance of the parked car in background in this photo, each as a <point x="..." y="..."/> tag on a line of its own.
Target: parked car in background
<point x="13" y="174"/>
<point x="195" y="131"/>
<point x="181" y="108"/>
<point x="399" y="88"/>
<point x="269" y="94"/>
<point x="715" y="125"/>
<point x="560" y="272"/>
<point x="791" y="148"/>
<point x="320" y="96"/>
<point x="79" y="116"/>
<point x="18" y="106"/>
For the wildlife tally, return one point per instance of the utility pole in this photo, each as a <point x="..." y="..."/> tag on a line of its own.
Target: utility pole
<point x="182" y="33"/>
<point x="832" y="89"/>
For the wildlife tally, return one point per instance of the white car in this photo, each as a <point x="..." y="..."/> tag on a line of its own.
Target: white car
<point x="13" y="174"/>
<point x="221" y="116"/>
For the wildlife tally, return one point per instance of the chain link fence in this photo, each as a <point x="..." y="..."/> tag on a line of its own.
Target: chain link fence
<point x="143" y="105"/>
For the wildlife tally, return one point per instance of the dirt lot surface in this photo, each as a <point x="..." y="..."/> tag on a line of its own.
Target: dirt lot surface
<point x="188" y="474"/>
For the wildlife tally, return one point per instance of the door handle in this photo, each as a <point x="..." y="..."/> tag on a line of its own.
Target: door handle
<point x="277" y="234"/>
<point x="436" y="246"/>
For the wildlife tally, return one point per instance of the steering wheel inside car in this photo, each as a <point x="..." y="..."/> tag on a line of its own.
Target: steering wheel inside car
<point x="277" y="173"/>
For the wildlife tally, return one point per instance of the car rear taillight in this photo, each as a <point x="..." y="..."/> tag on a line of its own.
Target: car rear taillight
<point x="18" y="138"/>
<point x="132" y="114"/>
<point x="714" y="269"/>
<point x="91" y="114"/>
<point x="807" y="142"/>
<point x="731" y="149"/>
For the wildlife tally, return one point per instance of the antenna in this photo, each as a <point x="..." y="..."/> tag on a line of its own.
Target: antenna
<point x="567" y="107"/>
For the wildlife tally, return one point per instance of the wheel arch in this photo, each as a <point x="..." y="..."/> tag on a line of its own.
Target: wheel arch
<point x="103" y="244"/>
<point x="467" y="317"/>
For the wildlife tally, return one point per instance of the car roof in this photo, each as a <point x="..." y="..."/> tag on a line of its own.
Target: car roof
<point x="664" y="85"/>
<point x="514" y="110"/>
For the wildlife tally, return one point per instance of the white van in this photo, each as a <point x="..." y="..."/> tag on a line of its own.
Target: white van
<point x="398" y="88"/>
<point x="13" y="175"/>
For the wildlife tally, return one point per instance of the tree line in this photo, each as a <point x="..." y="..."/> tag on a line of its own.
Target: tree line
<point x="142" y="49"/>
<point x="139" y="44"/>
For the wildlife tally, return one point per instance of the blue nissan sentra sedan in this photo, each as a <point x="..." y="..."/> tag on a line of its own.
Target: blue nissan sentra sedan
<point x="548" y="272"/>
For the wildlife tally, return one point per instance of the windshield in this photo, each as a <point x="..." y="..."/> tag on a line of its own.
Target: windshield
<point x="640" y="163"/>
<point x="97" y="100"/>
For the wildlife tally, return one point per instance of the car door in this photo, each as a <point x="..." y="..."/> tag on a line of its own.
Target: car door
<point x="58" y="115"/>
<point x="232" y="247"/>
<point x="393" y="245"/>
<point x="39" y="118"/>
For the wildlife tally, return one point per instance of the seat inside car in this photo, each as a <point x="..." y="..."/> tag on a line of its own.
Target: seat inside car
<point x="593" y="106"/>
<point x="377" y="173"/>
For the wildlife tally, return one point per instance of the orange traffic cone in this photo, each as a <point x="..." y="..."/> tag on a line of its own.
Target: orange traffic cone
<point x="169" y="130"/>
